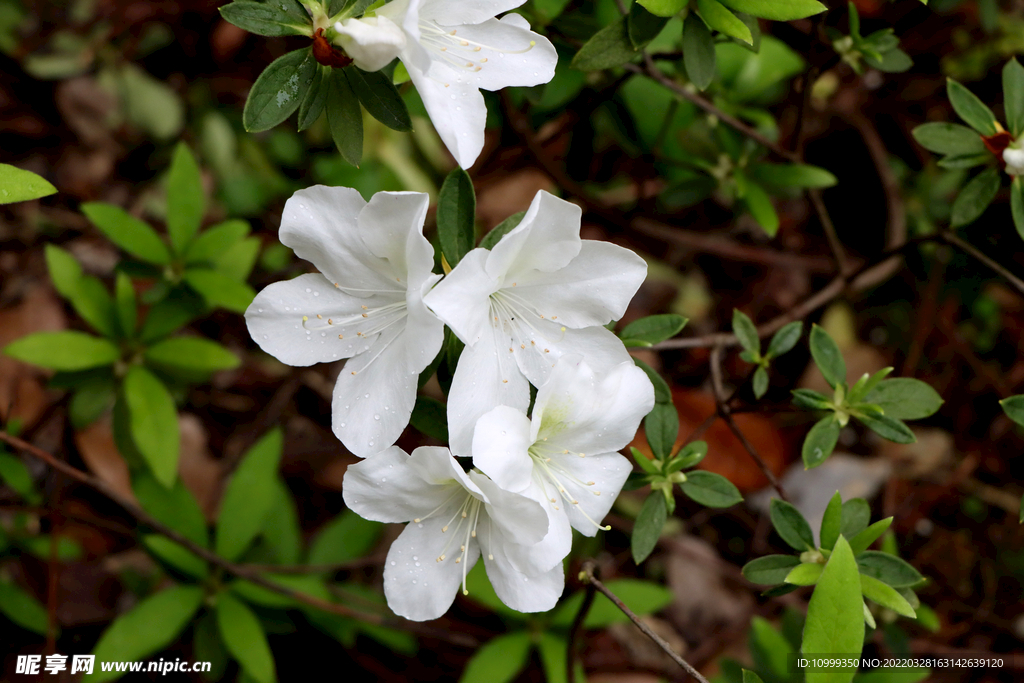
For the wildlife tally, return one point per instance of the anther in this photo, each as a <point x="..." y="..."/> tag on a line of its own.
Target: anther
<point x="364" y="315"/>
<point x="364" y="308"/>
<point x="489" y="556"/>
<point x="330" y="321"/>
<point x="417" y="520"/>
<point x="458" y="560"/>
<point x="305" y="318"/>
<point x="463" y="514"/>
<point x="444" y="529"/>
<point x="341" y="336"/>
<point x="319" y="317"/>
<point x="477" y="48"/>
<point x="482" y="60"/>
<point x="463" y="42"/>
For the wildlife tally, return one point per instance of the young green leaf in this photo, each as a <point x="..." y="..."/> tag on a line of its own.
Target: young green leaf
<point x="905" y="398"/>
<point x="785" y="339"/>
<point x="760" y="382"/>
<point x="153" y="423"/>
<point x="820" y="441"/>
<point x="663" y="8"/>
<point x="805" y="574"/>
<point x="244" y="638"/>
<point x="214" y="241"/>
<point x="1014" y="408"/>
<point x="1013" y="96"/>
<point x="688" y="456"/>
<point x="949" y="138"/>
<point x="827" y="356"/>
<point x="855" y="518"/>
<point x="888" y="428"/>
<point x="185" y="207"/>
<point x="745" y="331"/>
<point x="761" y="208"/>
<point x="831" y="522"/>
<point x="975" y="198"/>
<point x="873" y="589"/>
<point x="652" y="330"/>
<point x="67" y="350"/>
<point x="698" y="52"/>
<point x="21" y="608"/>
<point x="791" y="525"/>
<point x="18" y="185"/>
<point x="456" y="216"/>
<point x="500" y="660"/>
<point x="380" y="97"/>
<point x="791" y="175"/>
<point x="128" y="232"/>
<point x="835" y="615"/>
<point x="249" y="497"/>
<point x="662" y="428"/>
<point x="148" y="628"/>
<point x="888" y="568"/>
<point x="770" y="569"/>
<point x="860" y="542"/>
<point x="972" y="110"/>
<point x="346" y="537"/>
<point x="777" y="10"/>
<point x="710" y="489"/>
<point x="279" y="90"/>
<point x="345" y="117"/>
<point x="648" y="526"/>
<point x="265" y="18"/>
<point x="724" y="21"/>
<point x="191" y="354"/>
<point x="809" y="399"/>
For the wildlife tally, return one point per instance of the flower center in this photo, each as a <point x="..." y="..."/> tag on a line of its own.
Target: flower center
<point x="468" y="514"/>
<point x="370" y="321"/>
<point x="457" y="51"/>
<point x="511" y="313"/>
<point x="549" y="472"/>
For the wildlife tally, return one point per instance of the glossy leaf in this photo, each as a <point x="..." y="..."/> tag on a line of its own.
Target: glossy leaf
<point x="1017" y="204"/>
<point x="153" y="423"/>
<point x="698" y="52"/>
<point x="191" y="354"/>
<point x="185" y="202"/>
<point x="648" y="526"/>
<point x="722" y="20"/>
<point x="886" y="596"/>
<point x="785" y="339"/>
<point x="21" y="608"/>
<point x="779" y="10"/>
<point x="791" y="175"/>
<point x="662" y="428"/>
<point x="663" y="8"/>
<point x="279" y="90"/>
<point x="128" y="232"/>
<point x="379" y="96"/>
<point x="215" y="240"/>
<point x="820" y="441"/>
<point x="827" y="356"/>
<point x="265" y="18"/>
<point x="18" y="185"/>
<point x="888" y="428"/>
<point x="1013" y="96"/>
<point x="745" y="331"/>
<point x="219" y="289"/>
<point x="345" y="117"/>
<point x="949" y="138"/>
<point x="972" y="110"/>
<point x="1014" y="408"/>
<point x="805" y="574"/>
<point x="710" y="489"/>
<point x="456" y="216"/>
<point x="888" y="568"/>
<point x="760" y="382"/>
<point x="855" y="517"/>
<point x="652" y="330"/>
<point x="244" y="638"/>
<point x="791" y="525"/>
<point x="501" y="229"/>
<point x="831" y="522"/>
<point x="770" y="569"/>
<point x="860" y="542"/>
<point x="835" y="624"/>
<point x="905" y="398"/>
<point x="608" y="48"/>
<point x="67" y="350"/>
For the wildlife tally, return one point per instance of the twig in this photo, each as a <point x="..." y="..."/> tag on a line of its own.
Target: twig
<point x="588" y="575"/>
<point x="952" y="238"/>
<point x="834" y="243"/>
<point x="577" y="625"/>
<point x="239" y="570"/>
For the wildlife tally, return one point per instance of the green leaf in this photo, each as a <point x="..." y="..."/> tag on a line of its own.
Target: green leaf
<point x="827" y="356"/>
<point x="185" y="201"/>
<point x="345" y="538"/>
<point x="127" y="313"/>
<point x="249" y="496"/>
<point x="1014" y="408"/>
<point x="380" y="97"/>
<point x="855" y="517"/>
<point x="865" y="385"/>
<point x="23" y="609"/>
<point x="831" y="522"/>
<point x="481" y="591"/>
<point x="778" y="10"/>
<point x="644" y="26"/>
<point x="888" y="568"/>
<point x="710" y="489"/>
<point x="553" y="649"/>
<point x="688" y="456"/>
<point x="791" y="175"/>
<point x="820" y="441"/>
<point x="791" y="525"/>
<point x="498" y="661"/>
<point x="888" y="428"/>
<point x="968" y="107"/>
<point x="153" y="423"/>
<point x="173" y="506"/>
<point x="608" y="48"/>
<point x="785" y="339"/>
<point x="949" y="138"/>
<point x="501" y="229"/>
<point x="67" y="350"/>
<point x="770" y="569"/>
<point x="90" y="401"/>
<point x="215" y="240"/>
<point x="191" y="354"/>
<point x="429" y="417"/>
<point x="456" y="216"/>
<point x="176" y="556"/>
<point x="264" y="18"/>
<point x="810" y="400"/>
<point x="805" y="574"/>
<point x="238" y="260"/>
<point x="648" y="526"/>
<point x="751" y="677"/>
<point x="724" y="21"/>
<point x="662" y="428"/>
<point x="662" y="393"/>
<point x="148" y="628"/>
<point x="1017" y="204"/>
<point x="873" y="589"/>
<point x="663" y="8"/>
<point x="219" y="289"/>
<point x="128" y="232"/>
<point x="652" y="329"/>
<point x="170" y="314"/>
<point x="643" y="597"/>
<point x="64" y="268"/>
<point x="905" y="398"/>
<point x="281" y="533"/>
<point x="87" y="294"/>
<point x="761" y="208"/>
<point x="313" y="103"/>
<point x="769" y="649"/>
<point x="345" y="117"/>
<point x="1013" y="96"/>
<point x="244" y="638"/>
<point x="835" y="615"/>
<point x="760" y="381"/>
<point x="264" y="597"/>
<point x="975" y="198"/>
<point x="18" y="185"/>
<point x="860" y="541"/>
<point x="965" y="160"/>
<point x="279" y="90"/>
<point x="13" y="473"/>
<point x="745" y="331"/>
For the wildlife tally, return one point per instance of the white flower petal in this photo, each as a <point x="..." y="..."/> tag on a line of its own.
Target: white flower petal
<point x="592" y="289"/>
<point x="519" y="518"/>
<point x="461" y="299"/>
<point x="435" y="464"/>
<point x="275" y="322"/>
<point x="498" y="54"/>
<point x="416" y="585"/>
<point x="602" y="349"/>
<point x="371" y="42"/>
<point x="608" y="471"/>
<point x="390" y="223"/>
<point x="319" y="224"/>
<point x="466" y="11"/>
<point x="422" y="325"/>
<point x="1014" y="158"/>
<point x="555" y="545"/>
<point x="537" y="593"/>
<point x="501" y="441"/>
<point x="547" y="239"/>
<point x="375" y="395"/>
<point x="485" y="377"/>
<point x="456" y="109"/>
<point x="385" y="488"/>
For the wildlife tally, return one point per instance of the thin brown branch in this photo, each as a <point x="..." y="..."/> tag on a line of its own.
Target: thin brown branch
<point x="589" y="569"/>
<point x="239" y="570"/>
<point x="950" y="237"/>
<point x="576" y="629"/>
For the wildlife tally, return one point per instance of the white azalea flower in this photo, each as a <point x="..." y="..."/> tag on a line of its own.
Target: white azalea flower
<point x="452" y="49"/>
<point x="565" y="456"/>
<point x="366" y="304"/>
<point x="454" y="518"/>
<point x="1014" y="158"/>
<point x="539" y="293"/>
